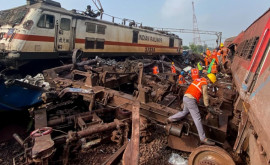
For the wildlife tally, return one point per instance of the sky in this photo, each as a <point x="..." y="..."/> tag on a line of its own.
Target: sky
<point x="227" y="16"/>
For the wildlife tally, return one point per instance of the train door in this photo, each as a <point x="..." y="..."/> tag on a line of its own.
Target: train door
<point x="64" y="37"/>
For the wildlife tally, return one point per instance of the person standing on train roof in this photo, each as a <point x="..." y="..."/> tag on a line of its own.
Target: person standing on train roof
<point x="173" y="68"/>
<point x="155" y="70"/>
<point x="192" y="96"/>
<point x="181" y="78"/>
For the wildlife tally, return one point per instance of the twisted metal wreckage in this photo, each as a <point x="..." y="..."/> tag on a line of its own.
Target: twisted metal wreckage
<point x="120" y="101"/>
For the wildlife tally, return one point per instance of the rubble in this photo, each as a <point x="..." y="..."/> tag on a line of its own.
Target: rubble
<point x="107" y="109"/>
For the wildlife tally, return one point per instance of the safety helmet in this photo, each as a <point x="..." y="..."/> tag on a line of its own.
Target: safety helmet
<point x="207" y="48"/>
<point x="182" y="72"/>
<point x="172" y="63"/>
<point x="221" y="45"/>
<point x="212" y="77"/>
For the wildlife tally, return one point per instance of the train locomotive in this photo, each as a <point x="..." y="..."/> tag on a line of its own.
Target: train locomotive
<point x="43" y="30"/>
<point x="250" y="70"/>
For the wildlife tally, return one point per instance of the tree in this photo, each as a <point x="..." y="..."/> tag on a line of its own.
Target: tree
<point x="185" y="47"/>
<point x="193" y="47"/>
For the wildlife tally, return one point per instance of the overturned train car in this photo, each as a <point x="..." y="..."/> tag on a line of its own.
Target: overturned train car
<point x="44" y="30"/>
<point x="250" y="69"/>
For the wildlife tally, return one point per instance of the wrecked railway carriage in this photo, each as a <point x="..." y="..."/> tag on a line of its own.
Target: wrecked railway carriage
<point x="97" y="100"/>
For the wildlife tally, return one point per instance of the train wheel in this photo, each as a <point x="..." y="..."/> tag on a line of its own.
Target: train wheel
<point x="210" y="155"/>
<point x="77" y="55"/>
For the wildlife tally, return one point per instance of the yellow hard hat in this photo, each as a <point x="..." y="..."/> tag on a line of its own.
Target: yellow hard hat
<point x="207" y="48"/>
<point x="172" y="63"/>
<point x="212" y="77"/>
<point x="221" y="45"/>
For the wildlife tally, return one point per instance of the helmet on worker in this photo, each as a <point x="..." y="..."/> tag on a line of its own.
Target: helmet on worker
<point x="221" y="45"/>
<point x="182" y="72"/>
<point x="207" y="48"/>
<point x="212" y="77"/>
<point x="172" y="63"/>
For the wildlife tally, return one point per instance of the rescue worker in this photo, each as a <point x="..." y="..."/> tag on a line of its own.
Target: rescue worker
<point x="208" y="52"/>
<point x="194" y="73"/>
<point x="173" y="68"/>
<point x="192" y="95"/>
<point x="200" y="68"/>
<point x="155" y="70"/>
<point x="181" y="78"/>
<point x="206" y="61"/>
<point x="219" y="55"/>
<point x="214" y="69"/>
<point x="214" y="56"/>
<point x="224" y="52"/>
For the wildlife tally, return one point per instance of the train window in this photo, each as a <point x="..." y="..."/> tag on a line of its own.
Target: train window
<point x="65" y="24"/>
<point x="90" y="43"/>
<point x="171" y="42"/>
<point x="90" y="27"/>
<point x="46" y="21"/>
<point x="135" y="37"/>
<point x="100" y="44"/>
<point x="252" y="47"/>
<point x="101" y="29"/>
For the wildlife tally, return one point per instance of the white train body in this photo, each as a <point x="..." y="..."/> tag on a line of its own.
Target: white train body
<point x="44" y="30"/>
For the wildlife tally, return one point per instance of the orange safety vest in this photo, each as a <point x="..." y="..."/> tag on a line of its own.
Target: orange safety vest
<point x="181" y="80"/>
<point x="195" y="88"/>
<point x="173" y="69"/>
<point x="208" y="52"/>
<point x="214" y="56"/>
<point x="219" y="53"/>
<point x="214" y="69"/>
<point x="206" y="61"/>
<point x="194" y="74"/>
<point x="155" y="70"/>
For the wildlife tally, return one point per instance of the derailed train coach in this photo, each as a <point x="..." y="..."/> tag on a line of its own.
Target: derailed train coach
<point x="250" y="69"/>
<point x="43" y="30"/>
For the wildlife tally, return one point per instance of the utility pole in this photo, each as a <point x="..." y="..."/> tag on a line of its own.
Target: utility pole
<point x="196" y="34"/>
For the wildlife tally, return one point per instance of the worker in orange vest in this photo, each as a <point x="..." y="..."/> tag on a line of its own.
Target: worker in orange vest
<point x="192" y="96"/>
<point x="181" y="78"/>
<point x="155" y="70"/>
<point x="206" y="61"/>
<point x="194" y="73"/>
<point x="208" y="52"/>
<point x="173" y="68"/>
<point x="214" y="55"/>
<point x="219" y="56"/>
<point x="224" y="52"/>
<point x="214" y="69"/>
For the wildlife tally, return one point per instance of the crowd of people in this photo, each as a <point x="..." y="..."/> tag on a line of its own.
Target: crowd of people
<point x="200" y="76"/>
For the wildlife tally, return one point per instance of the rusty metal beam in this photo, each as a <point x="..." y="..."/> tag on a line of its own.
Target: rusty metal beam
<point x="132" y="152"/>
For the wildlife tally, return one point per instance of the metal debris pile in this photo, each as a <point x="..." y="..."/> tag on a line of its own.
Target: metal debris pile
<point x="112" y="111"/>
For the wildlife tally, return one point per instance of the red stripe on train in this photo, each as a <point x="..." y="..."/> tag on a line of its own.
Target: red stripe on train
<point x="81" y="41"/>
<point x="33" y="38"/>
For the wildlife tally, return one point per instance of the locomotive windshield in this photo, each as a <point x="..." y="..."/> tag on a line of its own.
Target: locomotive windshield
<point x="13" y="16"/>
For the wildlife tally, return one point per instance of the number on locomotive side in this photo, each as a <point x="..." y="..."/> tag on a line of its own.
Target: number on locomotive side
<point x="149" y="50"/>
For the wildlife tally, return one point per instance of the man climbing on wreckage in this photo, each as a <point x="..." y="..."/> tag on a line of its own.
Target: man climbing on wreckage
<point x="193" y="94"/>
